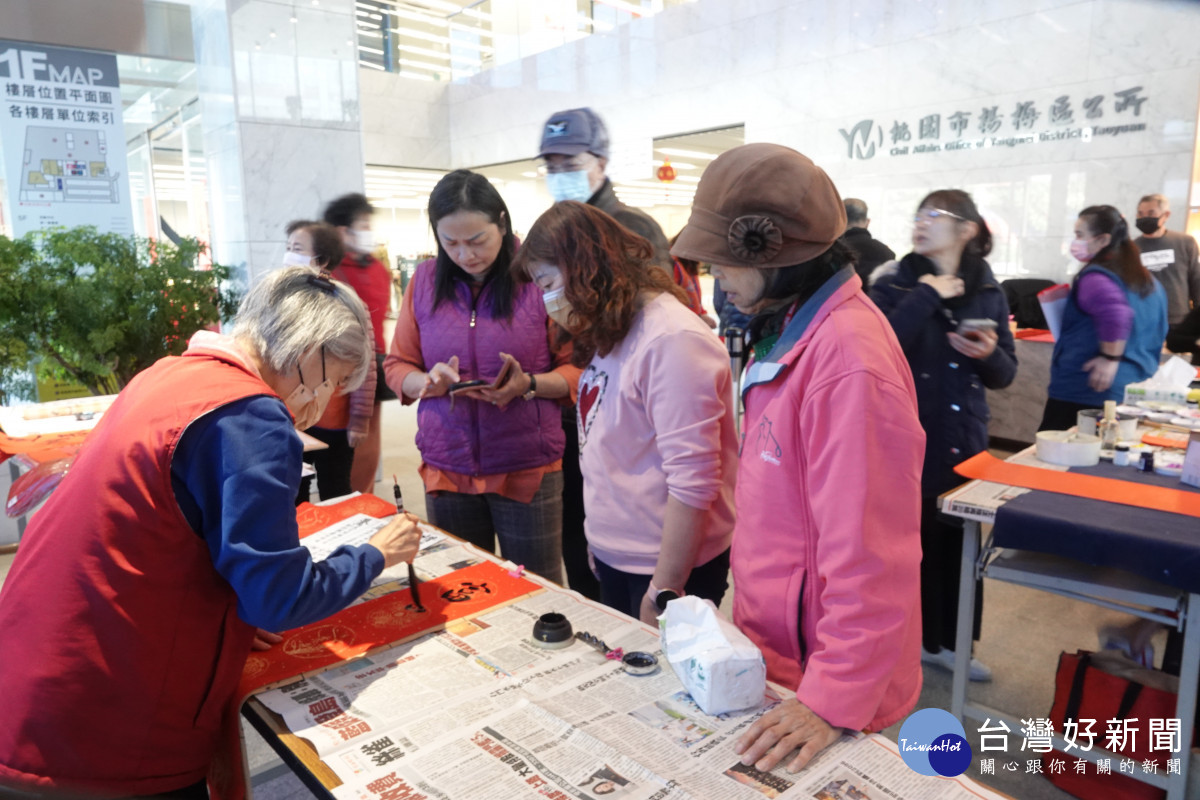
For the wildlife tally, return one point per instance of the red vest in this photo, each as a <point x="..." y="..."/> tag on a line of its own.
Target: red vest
<point x="372" y="282"/>
<point x="120" y="644"/>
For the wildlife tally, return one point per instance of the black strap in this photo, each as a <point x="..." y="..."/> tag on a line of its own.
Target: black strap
<point x="1128" y="699"/>
<point x="1076" y="695"/>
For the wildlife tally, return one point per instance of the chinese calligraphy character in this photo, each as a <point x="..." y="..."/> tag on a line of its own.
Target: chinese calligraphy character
<point x="987" y="766"/>
<point x="93" y="116"/>
<point x="958" y="121"/>
<point x="106" y="97"/>
<point x="89" y="96"/>
<point x="31" y="112"/>
<point x="1129" y="98"/>
<point x="1057" y="766"/>
<point x="47" y="112"/>
<point x="1092" y="104"/>
<point x="1104" y="766"/>
<point x="27" y="91"/>
<point x="44" y="92"/>
<point x="989" y="120"/>
<point x="76" y="94"/>
<point x="1120" y="734"/>
<point x="992" y="738"/>
<point x="1060" y="112"/>
<point x="12" y="89"/>
<point x="64" y="115"/>
<point x="1150" y="766"/>
<point x="1033" y="766"/>
<point x="14" y="111"/>
<point x="1165" y="734"/>
<point x="1024" y="115"/>
<point x="900" y="132"/>
<point x="1174" y="766"/>
<point x="1071" y="732"/>
<point x="60" y="94"/>
<point x="1037" y="735"/>
<point x="931" y="126"/>
<point x="1127" y="765"/>
<point x="1080" y="766"/>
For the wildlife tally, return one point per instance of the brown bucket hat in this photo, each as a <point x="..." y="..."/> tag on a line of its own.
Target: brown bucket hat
<point x="762" y="205"/>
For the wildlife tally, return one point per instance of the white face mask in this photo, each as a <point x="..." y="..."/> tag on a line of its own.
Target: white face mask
<point x="291" y="259"/>
<point x="364" y="241"/>
<point x="308" y="404"/>
<point x="558" y="307"/>
<point x="569" y="186"/>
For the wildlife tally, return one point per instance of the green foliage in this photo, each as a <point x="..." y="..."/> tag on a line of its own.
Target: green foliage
<point x="100" y="307"/>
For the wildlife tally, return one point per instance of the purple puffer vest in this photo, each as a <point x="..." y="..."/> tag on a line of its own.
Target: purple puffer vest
<point x="477" y="438"/>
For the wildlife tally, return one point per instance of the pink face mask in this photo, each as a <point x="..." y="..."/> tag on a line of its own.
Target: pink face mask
<point x="308" y="404"/>
<point x="1079" y="250"/>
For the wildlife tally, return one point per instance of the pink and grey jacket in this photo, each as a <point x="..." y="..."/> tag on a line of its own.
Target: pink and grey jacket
<point x="827" y="549"/>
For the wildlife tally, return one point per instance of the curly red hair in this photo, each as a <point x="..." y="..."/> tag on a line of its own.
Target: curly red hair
<point x="606" y="267"/>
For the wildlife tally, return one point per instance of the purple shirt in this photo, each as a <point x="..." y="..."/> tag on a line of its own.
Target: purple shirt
<point x="1104" y="301"/>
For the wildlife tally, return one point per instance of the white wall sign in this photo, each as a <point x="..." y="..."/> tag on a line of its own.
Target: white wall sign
<point x="64" y="144"/>
<point x="1025" y="122"/>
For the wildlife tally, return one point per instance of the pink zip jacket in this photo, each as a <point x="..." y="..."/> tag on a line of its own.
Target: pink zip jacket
<point x="827" y="547"/>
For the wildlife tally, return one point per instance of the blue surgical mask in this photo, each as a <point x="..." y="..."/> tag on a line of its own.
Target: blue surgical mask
<point x="569" y="186"/>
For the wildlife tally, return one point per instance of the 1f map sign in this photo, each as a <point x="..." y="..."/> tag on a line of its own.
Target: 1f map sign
<point x="64" y="144"/>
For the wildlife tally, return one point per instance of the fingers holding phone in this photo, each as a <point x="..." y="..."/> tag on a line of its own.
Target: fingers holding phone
<point x="511" y="383"/>
<point x="440" y="377"/>
<point x="975" y="338"/>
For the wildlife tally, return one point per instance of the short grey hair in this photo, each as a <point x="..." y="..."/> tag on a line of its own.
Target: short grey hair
<point x="292" y="310"/>
<point x="1160" y="201"/>
<point x="856" y="211"/>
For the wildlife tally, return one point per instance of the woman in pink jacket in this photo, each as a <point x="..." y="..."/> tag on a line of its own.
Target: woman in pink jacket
<point x="826" y="547"/>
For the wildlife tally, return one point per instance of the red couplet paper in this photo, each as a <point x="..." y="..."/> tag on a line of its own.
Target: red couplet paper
<point x="986" y="467"/>
<point x="355" y="631"/>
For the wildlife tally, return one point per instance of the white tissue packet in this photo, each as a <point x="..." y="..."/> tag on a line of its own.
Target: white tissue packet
<point x="1168" y="385"/>
<point x="720" y="667"/>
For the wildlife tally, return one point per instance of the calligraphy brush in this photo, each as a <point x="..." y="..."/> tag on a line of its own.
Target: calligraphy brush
<point x="412" y="573"/>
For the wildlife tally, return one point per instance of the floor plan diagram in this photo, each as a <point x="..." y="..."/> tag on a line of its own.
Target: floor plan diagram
<point x="67" y="165"/>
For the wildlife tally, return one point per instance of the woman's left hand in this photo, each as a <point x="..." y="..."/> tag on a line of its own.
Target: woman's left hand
<point x="515" y="385"/>
<point x="264" y="639"/>
<point x="1101" y="372"/>
<point x="786" y="727"/>
<point x="977" y="344"/>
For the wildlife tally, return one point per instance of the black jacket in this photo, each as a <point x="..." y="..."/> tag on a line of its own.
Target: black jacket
<point x="951" y="396"/>
<point x="1183" y="335"/>
<point x="869" y="252"/>
<point x="636" y="220"/>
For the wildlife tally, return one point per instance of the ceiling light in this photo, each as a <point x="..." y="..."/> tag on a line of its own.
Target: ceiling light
<point x="674" y="151"/>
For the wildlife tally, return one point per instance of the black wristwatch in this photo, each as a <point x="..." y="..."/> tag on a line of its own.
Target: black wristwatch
<point x="662" y="596"/>
<point x="531" y="392"/>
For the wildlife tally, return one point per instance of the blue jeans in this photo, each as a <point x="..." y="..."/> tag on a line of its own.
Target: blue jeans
<point x="530" y="533"/>
<point x="624" y="590"/>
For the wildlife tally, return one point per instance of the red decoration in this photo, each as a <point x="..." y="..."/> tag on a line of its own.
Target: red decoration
<point x="666" y="173"/>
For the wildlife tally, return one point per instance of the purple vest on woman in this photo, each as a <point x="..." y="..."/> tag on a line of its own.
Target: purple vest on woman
<point x="477" y="438"/>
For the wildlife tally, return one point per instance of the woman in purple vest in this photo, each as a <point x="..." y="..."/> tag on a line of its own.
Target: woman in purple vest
<point x="491" y="454"/>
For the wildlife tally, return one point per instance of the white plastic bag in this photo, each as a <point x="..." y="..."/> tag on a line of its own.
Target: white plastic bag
<point x="720" y="667"/>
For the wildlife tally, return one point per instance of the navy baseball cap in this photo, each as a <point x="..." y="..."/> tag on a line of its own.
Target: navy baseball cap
<point x="575" y="131"/>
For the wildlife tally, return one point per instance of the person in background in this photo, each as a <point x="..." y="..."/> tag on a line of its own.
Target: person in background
<point x="1184" y="336"/>
<point x="313" y="244"/>
<point x="951" y="319"/>
<point x="686" y="274"/>
<point x="170" y="540"/>
<point x="347" y="419"/>
<point x="351" y="215"/>
<point x="727" y="313"/>
<point x="825" y="550"/>
<point x="869" y="252"/>
<point x="491" y="458"/>
<point x="1113" y="325"/>
<point x="1173" y="258"/>
<point x="657" y="438"/>
<point x="575" y="148"/>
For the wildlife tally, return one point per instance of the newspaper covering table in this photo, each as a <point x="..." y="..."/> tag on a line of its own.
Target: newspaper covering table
<point x="477" y="710"/>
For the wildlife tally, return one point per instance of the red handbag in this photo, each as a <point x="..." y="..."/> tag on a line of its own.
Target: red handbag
<point x="1084" y="690"/>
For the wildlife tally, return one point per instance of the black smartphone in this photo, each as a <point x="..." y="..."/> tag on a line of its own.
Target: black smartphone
<point x="461" y="385"/>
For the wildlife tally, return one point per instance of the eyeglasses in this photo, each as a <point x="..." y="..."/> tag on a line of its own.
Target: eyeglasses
<point x="930" y="214"/>
<point x="574" y="164"/>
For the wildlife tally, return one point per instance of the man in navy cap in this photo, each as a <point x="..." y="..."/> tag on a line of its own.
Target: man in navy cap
<point x="575" y="147"/>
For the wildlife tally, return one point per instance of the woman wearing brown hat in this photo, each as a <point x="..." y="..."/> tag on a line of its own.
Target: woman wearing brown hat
<point x="826" y="547"/>
<point x="657" y="438"/>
